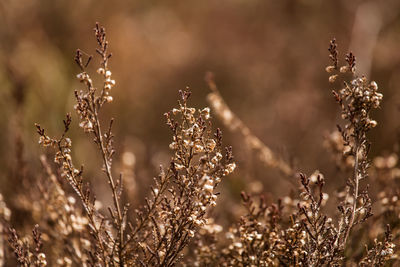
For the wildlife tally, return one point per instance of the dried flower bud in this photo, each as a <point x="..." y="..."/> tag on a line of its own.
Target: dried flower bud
<point x="211" y="144"/>
<point x="80" y="76"/>
<point x="109" y="99"/>
<point x="206" y="113"/>
<point x="333" y="78"/>
<point x="173" y="146"/>
<point x="208" y="188"/>
<point x="373" y="123"/>
<point x="344" y="69"/>
<point x="374" y="85"/>
<point x="329" y="69"/>
<point x="191" y="233"/>
<point x="230" y="168"/>
<point x="100" y="71"/>
<point x="198" y="148"/>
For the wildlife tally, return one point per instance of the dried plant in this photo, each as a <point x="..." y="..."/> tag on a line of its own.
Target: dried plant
<point x="311" y="237"/>
<point x="356" y="100"/>
<point x="175" y="225"/>
<point x="108" y="245"/>
<point x="182" y="193"/>
<point x="24" y="254"/>
<point x="381" y="252"/>
<point x="179" y="201"/>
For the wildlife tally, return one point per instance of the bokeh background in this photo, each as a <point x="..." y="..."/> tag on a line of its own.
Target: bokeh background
<point x="268" y="58"/>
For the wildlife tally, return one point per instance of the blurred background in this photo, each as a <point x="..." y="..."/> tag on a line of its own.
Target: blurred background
<point x="268" y="58"/>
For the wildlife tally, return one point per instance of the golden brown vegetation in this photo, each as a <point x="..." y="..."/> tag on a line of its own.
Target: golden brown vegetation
<point x="175" y="223"/>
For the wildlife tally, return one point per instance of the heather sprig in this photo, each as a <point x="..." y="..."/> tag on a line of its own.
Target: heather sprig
<point x="185" y="191"/>
<point x="181" y="196"/>
<point x="89" y="104"/>
<point x="356" y="99"/>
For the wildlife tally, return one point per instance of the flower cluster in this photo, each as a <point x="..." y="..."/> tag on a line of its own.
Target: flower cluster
<point x="28" y="251"/>
<point x="381" y="251"/>
<point x="63" y="153"/>
<point x="83" y="106"/>
<point x="108" y="84"/>
<point x="60" y="208"/>
<point x="186" y="190"/>
<point x="192" y="138"/>
<point x="361" y="96"/>
<point x="260" y="239"/>
<point x="308" y="236"/>
<point x="88" y="102"/>
<point x="358" y="97"/>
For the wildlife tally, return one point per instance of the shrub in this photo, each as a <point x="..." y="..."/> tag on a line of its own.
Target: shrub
<point x="175" y="226"/>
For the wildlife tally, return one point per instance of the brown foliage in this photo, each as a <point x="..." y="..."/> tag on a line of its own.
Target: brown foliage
<point x="176" y="225"/>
